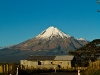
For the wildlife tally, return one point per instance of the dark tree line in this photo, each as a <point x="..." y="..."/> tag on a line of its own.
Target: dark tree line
<point x="89" y="52"/>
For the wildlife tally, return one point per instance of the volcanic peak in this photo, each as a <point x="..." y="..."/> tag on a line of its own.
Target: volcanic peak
<point x="52" y="31"/>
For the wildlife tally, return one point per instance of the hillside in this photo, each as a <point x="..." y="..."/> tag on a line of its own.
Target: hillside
<point x="90" y="51"/>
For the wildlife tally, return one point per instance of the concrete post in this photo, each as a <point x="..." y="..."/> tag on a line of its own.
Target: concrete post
<point x="55" y="69"/>
<point x="17" y="71"/>
<point x="78" y="71"/>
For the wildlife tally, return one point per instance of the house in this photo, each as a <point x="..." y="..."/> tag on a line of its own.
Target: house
<point x="48" y="62"/>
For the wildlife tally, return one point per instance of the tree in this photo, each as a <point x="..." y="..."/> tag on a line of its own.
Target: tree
<point x="98" y="1"/>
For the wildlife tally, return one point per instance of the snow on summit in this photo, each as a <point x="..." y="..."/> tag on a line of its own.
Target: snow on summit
<point x="82" y="39"/>
<point x="52" y="31"/>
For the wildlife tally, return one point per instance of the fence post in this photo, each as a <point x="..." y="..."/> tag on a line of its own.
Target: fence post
<point x="55" y="69"/>
<point x="78" y="71"/>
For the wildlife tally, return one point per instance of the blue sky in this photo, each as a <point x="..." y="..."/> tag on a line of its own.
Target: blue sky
<point x="21" y="20"/>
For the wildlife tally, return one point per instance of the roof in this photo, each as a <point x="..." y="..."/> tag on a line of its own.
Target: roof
<point x="66" y="57"/>
<point x="41" y="57"/>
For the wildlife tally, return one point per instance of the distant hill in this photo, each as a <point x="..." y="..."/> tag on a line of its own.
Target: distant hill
<point x="51" y="41"/>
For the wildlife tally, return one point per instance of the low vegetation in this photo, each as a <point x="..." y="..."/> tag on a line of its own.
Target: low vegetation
<point x="92" y="70"/>
<point x="38" y="71"/>
<point x="87" y="55"/>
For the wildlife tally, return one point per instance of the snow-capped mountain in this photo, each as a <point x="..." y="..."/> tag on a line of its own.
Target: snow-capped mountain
<point x="51" y="41"/>
<point x="51" y="32"/>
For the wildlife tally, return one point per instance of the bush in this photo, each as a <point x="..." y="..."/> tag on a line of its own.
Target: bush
<point x="2" y="74"/>
<point x="45" y="70"/>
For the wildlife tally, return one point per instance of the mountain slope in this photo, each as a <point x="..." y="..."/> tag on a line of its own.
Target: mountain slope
<point x="51" y="39"/>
